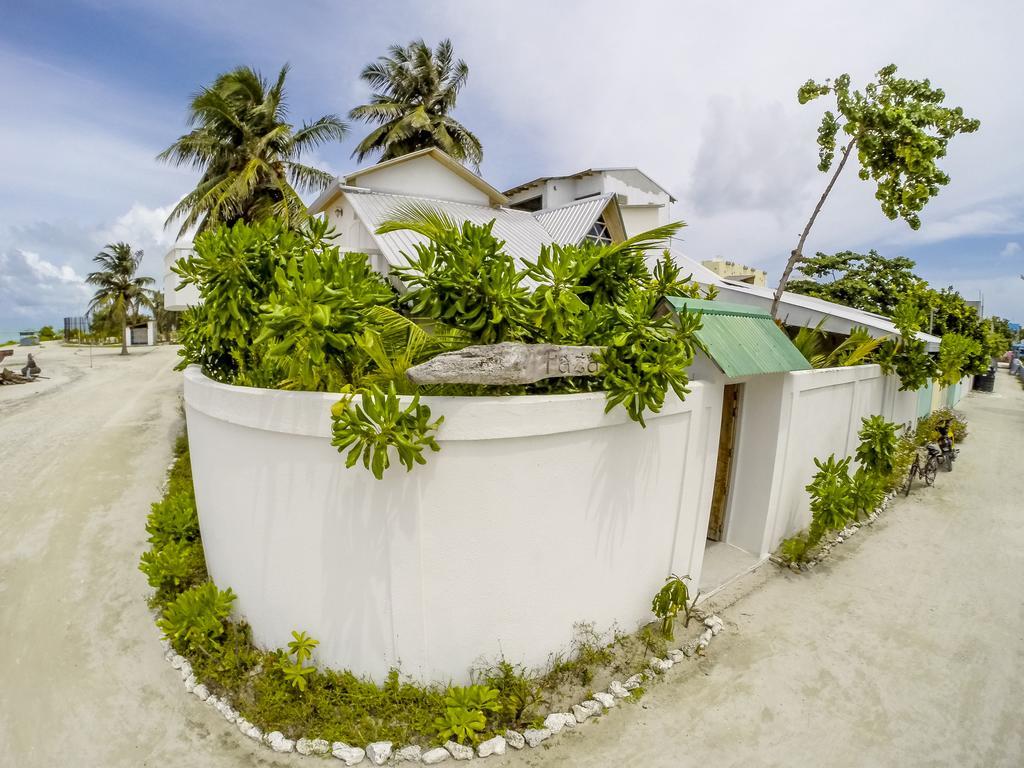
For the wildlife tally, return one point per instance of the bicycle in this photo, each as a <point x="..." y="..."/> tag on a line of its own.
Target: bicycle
<point x="927" y="472"/>
<point x="949" y="452"/>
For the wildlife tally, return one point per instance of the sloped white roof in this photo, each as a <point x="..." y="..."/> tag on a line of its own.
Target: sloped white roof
<point x="522" y="233"/>
<point x="568" y="223"/>
<point x="799" y="310"/>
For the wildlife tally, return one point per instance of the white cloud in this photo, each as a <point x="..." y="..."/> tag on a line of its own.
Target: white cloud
<point x="34" y="290"/>
<point x="1012" y="248"/>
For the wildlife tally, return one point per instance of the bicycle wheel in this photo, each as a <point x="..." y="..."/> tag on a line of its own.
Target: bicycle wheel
<point x="931" y="468"/>
<point x="905" y="488"/>
<point x="947" y="459"/>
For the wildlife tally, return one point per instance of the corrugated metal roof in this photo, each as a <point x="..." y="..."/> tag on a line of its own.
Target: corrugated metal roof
<point x="522" y="234"/>
<point x="569" y="223"/>
<point x="742" y="341"/>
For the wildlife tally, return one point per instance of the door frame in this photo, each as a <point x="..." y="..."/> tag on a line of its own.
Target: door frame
<point x="721" y="490"/>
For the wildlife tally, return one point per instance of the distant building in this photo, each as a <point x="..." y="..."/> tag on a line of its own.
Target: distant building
<point x="740" y="273"/>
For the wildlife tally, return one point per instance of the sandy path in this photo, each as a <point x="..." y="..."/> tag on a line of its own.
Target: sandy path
<point x="82" y="678"/>
<point x="906" y="648"/>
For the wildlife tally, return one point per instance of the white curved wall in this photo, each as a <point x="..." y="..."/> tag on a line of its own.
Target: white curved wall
<point x="539" y="512"/>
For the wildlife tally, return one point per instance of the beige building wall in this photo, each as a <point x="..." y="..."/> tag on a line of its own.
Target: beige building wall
<point x="733" y="271"/>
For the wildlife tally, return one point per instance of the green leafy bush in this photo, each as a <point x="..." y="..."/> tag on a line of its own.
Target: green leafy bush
<point x="831" y="503"/>
<point x="877" y="449"/>
<point x="174" y="567"/>
<point x="293" y="664"/>
<point x="866" y="492"/>
<point x="369" y="430"/>
<point x="465" y="711"/>
<point x="928" y="427"/>
<point x="195" y="620"/>
<point x="518" y="691"/>
<point x="672" y="598"/>
<point x="173" y="519"/>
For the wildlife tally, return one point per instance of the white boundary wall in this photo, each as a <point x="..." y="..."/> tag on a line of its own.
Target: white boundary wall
<point x="539" y="512"/>
<point x="787" y="420"/>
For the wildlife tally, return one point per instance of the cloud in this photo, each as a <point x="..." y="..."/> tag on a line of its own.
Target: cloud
<point x="1012" y="248"/>
<point x="34" y="290"/>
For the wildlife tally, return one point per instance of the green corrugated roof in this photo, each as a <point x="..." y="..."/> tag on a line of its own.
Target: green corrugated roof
<point x="742" y="340"/>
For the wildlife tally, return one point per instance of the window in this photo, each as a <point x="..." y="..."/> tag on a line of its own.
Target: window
<point x="531" y="204"/>
<point x="599" y="233"/>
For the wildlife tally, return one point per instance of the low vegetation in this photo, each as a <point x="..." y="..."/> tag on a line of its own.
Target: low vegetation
<point x="839" y="497"/>
<point x="283" y="689"/>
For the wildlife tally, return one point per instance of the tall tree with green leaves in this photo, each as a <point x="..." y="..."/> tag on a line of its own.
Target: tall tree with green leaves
<point x="414" y="93"/>
<point x="119" y="290"/>
<point x="900" y="130"/>
<point x="870" y="281"/>
<point x="248" y="153"/>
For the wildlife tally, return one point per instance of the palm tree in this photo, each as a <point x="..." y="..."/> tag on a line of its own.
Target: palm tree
<point x="248" y="153"/>
<point x="414" y="90"/>
<point x="118" y="290"/>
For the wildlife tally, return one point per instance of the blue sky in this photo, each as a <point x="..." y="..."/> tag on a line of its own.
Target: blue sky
<point x="700" y="97"/>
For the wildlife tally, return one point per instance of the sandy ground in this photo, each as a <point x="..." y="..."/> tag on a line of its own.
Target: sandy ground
<point x="906" y="648"/>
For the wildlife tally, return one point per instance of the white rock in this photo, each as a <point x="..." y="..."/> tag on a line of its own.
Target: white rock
<point x="718" y="627"/>
<point x="688" y="649"/>
<point x="190" y="683"/>
<point x="202" y="692"/>
<point x="410" y="754"/>
<point x="633" y="682"/>
<point x="705" y="637"/>
<point x="254" y="733"/>
<point x="185" y="669"/>
<point x="378" y="752"/>
<point x="213" y="700"/>
<point x="495" y="746"/>
<point x="348" y="755"/>
<point x="230" y="713"/>
<point x="435" y="756"/>
<point x="580" y="713"/>
<point x="278" y="743"/>
<point x="621" y="690"/>
<point x="711" y="621"/>
<point x="534" y="736"/>
<point x="302" y="746"/>
<point x="319" y="746"/>
<point x="177" y="660"/>
<point x="607" y="700"/>
<point x="164" y="644"/>
<point x="459" y="751"/>
<point x="676" y="655"/>
<point x="556" y="721"/>
<point x="660" y="665"/>
<point x="515" y="739"/>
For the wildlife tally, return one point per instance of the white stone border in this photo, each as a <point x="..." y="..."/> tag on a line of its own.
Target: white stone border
<point x="381" y="752"/>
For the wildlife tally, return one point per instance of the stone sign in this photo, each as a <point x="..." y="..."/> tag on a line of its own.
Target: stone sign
<point x="507" y="363"/>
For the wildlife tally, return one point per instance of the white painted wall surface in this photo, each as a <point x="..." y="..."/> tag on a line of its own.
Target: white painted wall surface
<point x="538" y="512"/>
<point x="422" y="176"/>
<point x="178" y="298"/>
<point x="639" y="219"/>
<point x="821" y="414"/>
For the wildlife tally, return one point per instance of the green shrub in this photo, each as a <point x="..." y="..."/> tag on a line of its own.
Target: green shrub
<point x="831" y="502"/>
<point x="877" y="449"/>
<point x="672" y="598"/>
<point x="465" y="713"/>
<point x="927" y="428"/>
<point x="518" y="691"/>
<point x="293" y="664"/>
<point x="173" y="519"/>
<point x="379" y="423"/>
<point x="866" y="492"/>
<point x="196" y="620"/>
<point x="173" y="568"/>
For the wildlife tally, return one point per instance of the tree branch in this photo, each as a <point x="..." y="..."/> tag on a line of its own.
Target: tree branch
<point x="797" y="254"/>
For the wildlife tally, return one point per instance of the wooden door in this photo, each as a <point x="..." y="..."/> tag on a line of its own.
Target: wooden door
<point x="723" y="473"/>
